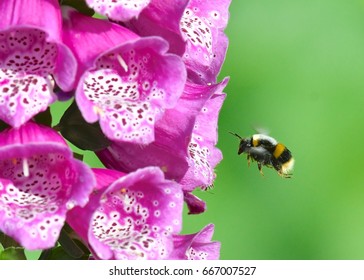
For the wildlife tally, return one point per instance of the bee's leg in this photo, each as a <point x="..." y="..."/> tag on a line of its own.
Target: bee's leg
<point x="260" y="168"/>
<point x="284" y="175"/>
<point x="248" y="158"/>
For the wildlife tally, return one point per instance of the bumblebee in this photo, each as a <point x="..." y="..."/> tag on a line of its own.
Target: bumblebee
<point x="267" y="151"/>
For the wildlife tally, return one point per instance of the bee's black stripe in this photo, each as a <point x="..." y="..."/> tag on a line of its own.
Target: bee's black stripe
<point x="285" y="156"/>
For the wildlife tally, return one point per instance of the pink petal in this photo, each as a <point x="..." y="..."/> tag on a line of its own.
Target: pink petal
<point x="133" y="218"/>
<point x="197" y="246"/>
<point x="161" y="18"/>
<point x="23" y="96"/>
<point x="41" y="14"/>
<point x="82" y="33"/>
<point x="31" y="31"/>
<point x="203" y="155"/>
<point x="194" y="29"/>
<point x="39" y="182"/>
<point x="119" y="10"/>
<point x="202" y="26"/>
<point x="130" y="89"/>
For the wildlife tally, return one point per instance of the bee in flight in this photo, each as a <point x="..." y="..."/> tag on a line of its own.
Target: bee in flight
<point x="267" y="151"/>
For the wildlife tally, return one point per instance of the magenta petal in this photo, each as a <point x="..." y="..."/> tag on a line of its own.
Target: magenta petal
<point x="197" y="246"/>
<point x="29" y="136"/>
<point x="39" y="182"/>
<point x="65" y="68"/>
<point x="202" y="26"/>
<point x="161" y="18"/>
<point x="31" y="52"/>
<point x="184" y="147"/>
<point x="133" y="218"/>
<point x="82" y="33"/>
<point x="40" y="14"/>
<point x="172" y="136"/>
<point x="195" y="205"/>
<point x="35" y="40"/>
<point x="194" y="29"/>
<point x="203" y="154"/>
<point x="33" y="221"/>
<point x="127" y="82"/>
<point x="23" y="96"/>
<point x="130" y="89"/>
<point x="120" y="10"/>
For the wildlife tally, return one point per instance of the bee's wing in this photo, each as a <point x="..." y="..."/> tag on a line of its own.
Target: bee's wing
<point x="259" y="129"/>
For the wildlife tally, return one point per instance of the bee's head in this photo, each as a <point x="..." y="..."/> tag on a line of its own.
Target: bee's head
<point x="245" y="143"/>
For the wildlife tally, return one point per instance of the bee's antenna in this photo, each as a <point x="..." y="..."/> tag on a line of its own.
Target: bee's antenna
<point x="236" y="135"/>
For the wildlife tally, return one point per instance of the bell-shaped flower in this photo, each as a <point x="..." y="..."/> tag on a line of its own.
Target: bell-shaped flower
<point x="39" y="182"/>
<point x="130" y="216"/>
<point x="118" y="10"/>
<point x="185" y="138"/>
<point x="32" y="56"/>
<point x="127" y="82"/>
<point x="197" y="246"/>
<point x="194" y="29"/>
<point x="203" y="155"/>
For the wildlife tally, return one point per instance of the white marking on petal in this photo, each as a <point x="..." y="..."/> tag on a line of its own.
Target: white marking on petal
<point x="70" y="205"/>
<point x="50" y="82"/>
<point x="122" y="62"/>
<point x="25" y="167"/>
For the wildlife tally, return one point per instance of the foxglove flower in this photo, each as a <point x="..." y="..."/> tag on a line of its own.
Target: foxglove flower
<point x="194" y="29"/>
<point x="127" y="82"/>
<point x="39" y="182"/>
<point x="185" y="140"/>
<point x="118" y="10"/>
<point x="197" y="246"/>
<point x="130" y="216"/>
<point x="203" y="155"/>
<point x="31" y="55"/>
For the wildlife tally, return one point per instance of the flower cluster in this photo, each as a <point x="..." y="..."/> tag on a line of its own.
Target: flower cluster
<point x="143" y="77"/>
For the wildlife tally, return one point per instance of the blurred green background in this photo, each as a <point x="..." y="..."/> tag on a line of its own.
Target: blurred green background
<point x="297" y="69"/>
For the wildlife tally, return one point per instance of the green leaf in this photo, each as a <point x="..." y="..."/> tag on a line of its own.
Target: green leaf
<point x="7" y="241"/>
<point x="3" y="125"/>
<point x="59" y="253"/>
<point x="80" y="133"/>
<point x="78" y="156"/>
<point x="69" y="245"/>
<point x="13" y="253"/>
<point x="71" y="248"/>
<point x="44" y="118"/>
<point x="79" y="5"/>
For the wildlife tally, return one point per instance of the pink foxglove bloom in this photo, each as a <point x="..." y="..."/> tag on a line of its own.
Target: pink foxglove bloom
<point x="197" y="246"/>
<point x="127" y="82"/>
<point x="186" y="136"/>
<point x="118" y="10"/>
<point x="31" y="56"/>
<point x="194" y="29"/>
<point x="203" y="155"/>
<point x="131" y="216"/>
<point x="39" y="182"/>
